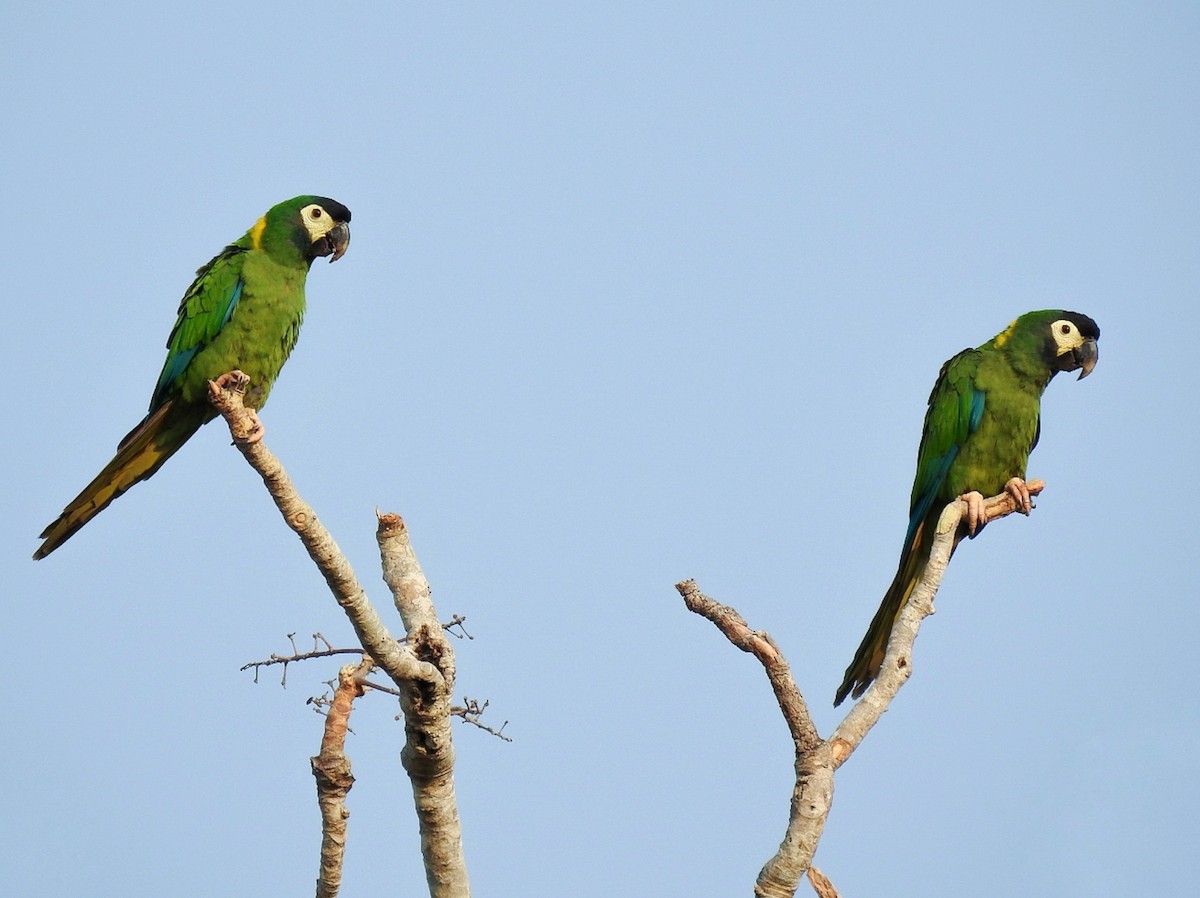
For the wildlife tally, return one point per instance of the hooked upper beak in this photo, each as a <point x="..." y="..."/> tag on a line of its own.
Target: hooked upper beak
<point x="334" y="243"/>
<point x="1083" y="357"/>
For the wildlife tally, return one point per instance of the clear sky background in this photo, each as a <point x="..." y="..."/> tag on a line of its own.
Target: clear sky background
<point x="636" y="292"/>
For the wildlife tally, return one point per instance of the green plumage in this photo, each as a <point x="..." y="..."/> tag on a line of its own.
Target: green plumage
<point x="983" y="420"/>
<point x="243" y="311"/>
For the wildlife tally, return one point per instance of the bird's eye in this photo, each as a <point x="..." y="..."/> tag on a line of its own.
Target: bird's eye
<point x="315" y="213"/>
<point x="1066" y="328"/>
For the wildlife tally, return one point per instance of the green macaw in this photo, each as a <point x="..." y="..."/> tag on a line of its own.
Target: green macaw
<point x="984" y="419"/>
<point x="243" y="311"/>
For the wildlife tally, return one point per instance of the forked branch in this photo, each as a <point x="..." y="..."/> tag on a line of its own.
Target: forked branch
<point x="422" y="667"/>
<point x="817" y="759"/>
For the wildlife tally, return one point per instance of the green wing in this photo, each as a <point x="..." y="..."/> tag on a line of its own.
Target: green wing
<point x="955" y="409"/>
<point x="206" y="307"/>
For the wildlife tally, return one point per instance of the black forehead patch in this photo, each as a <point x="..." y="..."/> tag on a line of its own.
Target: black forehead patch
<point x="1086" y="325"/>
<point x="333" y="207"/>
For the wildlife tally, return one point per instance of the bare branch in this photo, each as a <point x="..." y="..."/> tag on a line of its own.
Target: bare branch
<point x="423" y="669"/>
<point x="812" y="794"/>
<point x="285" y="660"/>
<point x="821" y="884"/>
<point x="817" y="759"/>
<point x="379" y="687"/>
<point x="456" y="629"/>
<point x="331" y="768"/>
<point x="371" y="632"/>
<point x="472" y="711"/>
<point x="897" y="662"/>
<point x="428" y="754"/>
<point x="453" y="627"/>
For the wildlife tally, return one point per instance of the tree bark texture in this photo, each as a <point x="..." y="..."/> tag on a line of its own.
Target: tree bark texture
<point x="422" y="667"/>
<point x="331" y="768"/>
<point x="817" y="759"/>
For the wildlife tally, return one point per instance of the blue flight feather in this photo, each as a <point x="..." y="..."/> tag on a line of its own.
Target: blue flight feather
<point x="175" y="365"/>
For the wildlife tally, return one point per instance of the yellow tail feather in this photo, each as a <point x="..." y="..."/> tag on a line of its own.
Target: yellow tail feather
<point x="139" y="455"/>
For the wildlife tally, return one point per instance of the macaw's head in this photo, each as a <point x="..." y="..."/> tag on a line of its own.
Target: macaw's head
<point x="1052" y="340"/>
<point x="1074" y="335"/>
<point x="304" y="227"/>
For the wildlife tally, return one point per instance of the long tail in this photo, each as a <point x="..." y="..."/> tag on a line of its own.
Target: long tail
<point x="138" y="456"/>
<point x="869" y="657"/>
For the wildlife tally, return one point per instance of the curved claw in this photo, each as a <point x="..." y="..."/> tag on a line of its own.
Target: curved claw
<point x="235" y="380"/>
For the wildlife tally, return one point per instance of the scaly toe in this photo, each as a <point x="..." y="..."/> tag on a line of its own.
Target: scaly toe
<point x="257" y="431"/>
<point x="1020" y="492"/>
<point x="975" y="513"/>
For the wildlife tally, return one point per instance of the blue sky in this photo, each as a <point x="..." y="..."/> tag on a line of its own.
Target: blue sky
<point x="636" y="292"/>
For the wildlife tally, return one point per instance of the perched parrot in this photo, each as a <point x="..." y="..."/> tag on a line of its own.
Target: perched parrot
<point x="243" y="311"/>
<point x="984" y="419"/>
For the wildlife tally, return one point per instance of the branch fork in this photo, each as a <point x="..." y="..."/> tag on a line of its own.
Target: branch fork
<point x="422" y="666"/>
<point x="817" y="759"/>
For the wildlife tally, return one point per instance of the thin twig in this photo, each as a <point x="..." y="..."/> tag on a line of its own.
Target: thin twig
<point x="285" y="660"/>
<point x="453" y="627"/>
<point x="379" y="687"/>
<point x="471" y="711"/>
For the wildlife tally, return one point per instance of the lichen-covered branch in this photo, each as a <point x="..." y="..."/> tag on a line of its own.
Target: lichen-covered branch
<point x="817" y="759"/>
<point x="331" y="768"/>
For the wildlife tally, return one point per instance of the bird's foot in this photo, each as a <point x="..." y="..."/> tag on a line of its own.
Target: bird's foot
<point x="234" y="380"/>
<point x="1017" y="488"/>
<point x="976" y="516"/>
<point x="257" y="431"/>
<point x="237" y="381"/>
